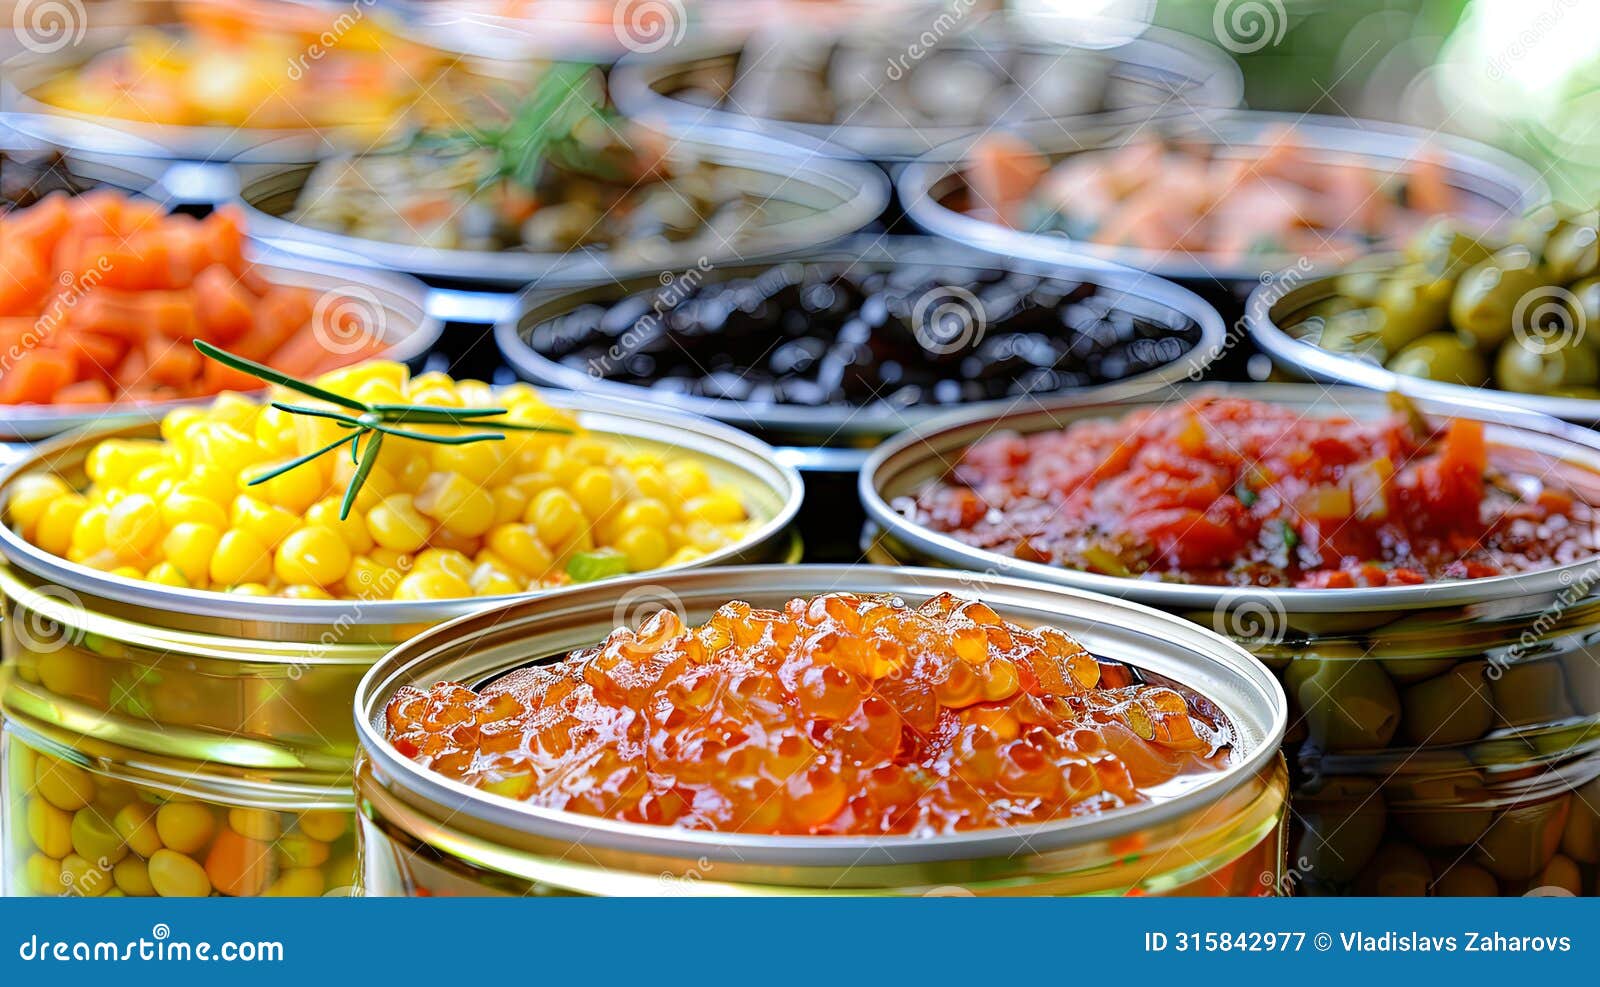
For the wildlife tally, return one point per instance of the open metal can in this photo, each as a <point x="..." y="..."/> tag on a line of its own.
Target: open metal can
<point x="1414" y="685"/>
<point x="424" y="834"/>
<point x="184" y="742"/>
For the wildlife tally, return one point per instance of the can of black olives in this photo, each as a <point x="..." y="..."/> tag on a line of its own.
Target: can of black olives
<point x="425" y="833"/>
<point x="828" y="352"/>
<point x="1494" y="676"/>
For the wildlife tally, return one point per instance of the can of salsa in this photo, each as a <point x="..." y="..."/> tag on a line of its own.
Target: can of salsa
<point x="177" y="741"/>
<point x="756" y="809"/>
<point x="1390" y="670"/>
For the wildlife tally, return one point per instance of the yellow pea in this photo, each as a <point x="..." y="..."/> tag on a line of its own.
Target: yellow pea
<point x="324" y="825"/>
<point x="50" y="828"/>
<point x="132" y="877"/>
<point x="136" y="824"/>
<point x="185" y="826"/>
<point x="257" y="824"/>
<point x="298" y="882"/>
<point x="173" y="875"/>
<point x="65" y="785"/>
<point x="94" y="838"/>
<point x="302" y="851"/>
<point x="42" y="874"/>
<point x="84" y="877"/>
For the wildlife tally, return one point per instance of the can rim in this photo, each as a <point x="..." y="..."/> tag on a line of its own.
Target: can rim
<point x="1507" y="182"/>
<point x="1171" y="61"/>
<point x="1261" y="318"/>
<point x="861" y="191"/>
<point x="537" y="305"/>
<point x="1262" y="724"/>
<point x="911" y="449"/>
<point x="642" y="421"/>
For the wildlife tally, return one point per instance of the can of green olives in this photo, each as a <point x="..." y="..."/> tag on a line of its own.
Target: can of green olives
<point x="172" y="741"/>
<point x="1498" y="673"/>
<point x="423" y="833"/>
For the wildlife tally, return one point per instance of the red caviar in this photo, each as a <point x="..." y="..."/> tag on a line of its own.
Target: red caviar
<point x="841" y="714"/>
<point x="1226" y="491"/>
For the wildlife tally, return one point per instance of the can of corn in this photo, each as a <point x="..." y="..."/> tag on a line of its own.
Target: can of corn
<point x="1219" y="833"/>
<point x="175" y="741"/>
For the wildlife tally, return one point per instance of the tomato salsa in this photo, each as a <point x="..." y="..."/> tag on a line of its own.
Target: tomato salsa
<point x="840" y="714"/>
<point x="1226" y="491"/>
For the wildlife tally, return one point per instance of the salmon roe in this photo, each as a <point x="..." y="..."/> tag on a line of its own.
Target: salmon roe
<point x="1226" y="491"/>
<point x="840" y="714"/>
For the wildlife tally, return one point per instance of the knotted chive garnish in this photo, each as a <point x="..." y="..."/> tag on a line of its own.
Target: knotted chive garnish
<point x="362" y="419"/>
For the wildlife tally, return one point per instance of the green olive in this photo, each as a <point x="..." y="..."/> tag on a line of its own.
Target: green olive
<point x="1357" y="331"/>
<point x="1397" y="870"/>
<point x="1413" y="305"/>
<point x="1530" y="692"/>
<point x="1488" y="293"/>
<point x="1443" y="246"/>
<point x="1521" y="842"/>
<point x="1444" y="357"/>
<point x="1361" y="287"/>
<point x="1586" y="308"/>
<point x="1532" y="366"/>
<point x="1344" y="823"/>
<point x="1349" y="704"/>
<point x="1572" y="250"/>
<point x="1452" y="708"/>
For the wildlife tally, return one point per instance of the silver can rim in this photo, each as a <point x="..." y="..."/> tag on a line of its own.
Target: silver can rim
<point x="913" y="447"/>
<point x="1507" y="182"/>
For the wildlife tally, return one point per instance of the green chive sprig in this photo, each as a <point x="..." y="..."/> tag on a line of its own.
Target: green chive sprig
<point x="369" y="422"/>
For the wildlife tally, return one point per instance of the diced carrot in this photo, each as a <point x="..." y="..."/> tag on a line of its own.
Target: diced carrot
<point x="1428" y="190"/>
<point x="97" y="355"/>
<point x="36" y="377"/>
<point x="224" y="308"/>
<point x="110" y="312"/>
<point x="98" y="213"/>
<point x="84" y="392"/>
<point x="171" y="314"/>
<point x="219" y="378"/>
<point x="132" y="372"/>
<point x="174" y="363"/>
<point x="223" y="232"/>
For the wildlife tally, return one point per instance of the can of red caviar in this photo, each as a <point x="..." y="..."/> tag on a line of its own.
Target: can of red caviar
<point x="1220" y="833"/>
<point x="1497" y="674"/>
<point x="174" y="741"/>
